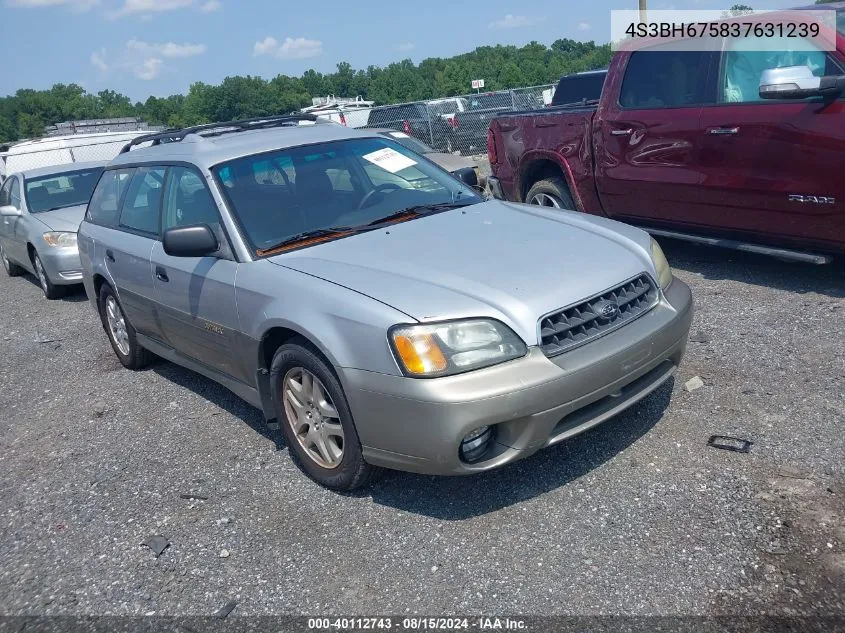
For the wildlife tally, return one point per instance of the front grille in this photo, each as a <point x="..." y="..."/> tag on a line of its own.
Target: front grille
<point x="568" y="328"/>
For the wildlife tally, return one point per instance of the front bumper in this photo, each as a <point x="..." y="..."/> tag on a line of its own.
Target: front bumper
<point x="62" y="265"/>
<point x="417" y="424"/>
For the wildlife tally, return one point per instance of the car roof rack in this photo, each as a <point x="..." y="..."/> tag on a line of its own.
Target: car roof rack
<point x="175" y="135"/>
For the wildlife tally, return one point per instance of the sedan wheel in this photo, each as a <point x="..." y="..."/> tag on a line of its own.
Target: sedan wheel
<point x="545" y="200"/>
<point x="117" y="325"/>
<point x="51" y="291"/>
<point x="313" y="417"/>
<point x="42" y="276"/>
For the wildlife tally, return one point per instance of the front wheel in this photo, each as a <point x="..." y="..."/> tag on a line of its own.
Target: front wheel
<point x="551" y="192"/>
<point x="315" y="418"/>
<point x="51" y="291"/>
<point x="121" y="333"/>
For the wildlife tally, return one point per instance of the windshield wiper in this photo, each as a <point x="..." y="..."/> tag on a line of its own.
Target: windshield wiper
<point x="299" y="237"/>
<point x="420" y="209"/>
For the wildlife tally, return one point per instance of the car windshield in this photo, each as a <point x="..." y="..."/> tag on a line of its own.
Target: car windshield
<point x="286" y="196"/>
<point x="64" y="189"/>
<point x="410" y="142"/>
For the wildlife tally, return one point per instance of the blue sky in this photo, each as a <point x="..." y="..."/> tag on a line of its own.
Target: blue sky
<point x="158" y="47"/>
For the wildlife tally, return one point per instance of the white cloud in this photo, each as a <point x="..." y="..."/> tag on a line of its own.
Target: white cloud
<point x="168" y="49"/>
<point x="511" y="21"/>
<point x="584" y="26"/>
<point x="145" y="60"/>
<point x="147" y="7"/>
<point x="76" y="5"/>
<point x="291" y="48"/>
<point x="407" y="46"/>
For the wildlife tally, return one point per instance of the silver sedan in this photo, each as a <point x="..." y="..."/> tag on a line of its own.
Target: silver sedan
<point x="40" y="213"/>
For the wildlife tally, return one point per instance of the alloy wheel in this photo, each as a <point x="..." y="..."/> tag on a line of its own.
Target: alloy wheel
<point x="545" y="200"/>
<point x="42" y="276"/>
<point x="313" y="417"/>
<point x="117" y="325"/>
<point x="5" y="259"/>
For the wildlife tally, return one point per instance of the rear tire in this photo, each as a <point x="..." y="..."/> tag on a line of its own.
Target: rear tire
<point x="315" y="419"/>
<point x="121" y="334"/>
<point x="550" y="192"/>
<point x="12" y="269"/>
<point x="51" y="291"/>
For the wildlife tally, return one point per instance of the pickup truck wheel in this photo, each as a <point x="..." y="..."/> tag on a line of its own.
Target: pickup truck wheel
<point x="121" y="333"/>
<point x="12" y="269"/>
<point x="551" y="192"/>
<point x="315" y="418"/>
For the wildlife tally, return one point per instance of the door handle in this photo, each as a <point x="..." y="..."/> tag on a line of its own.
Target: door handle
<point x="723" y="131"/>
<point x="110" y="256"/>
<point x="161" y="274"/>
<point x="627" y="132"/>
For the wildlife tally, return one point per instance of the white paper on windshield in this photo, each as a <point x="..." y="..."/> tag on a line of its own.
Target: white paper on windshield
<point x="389" y="160"/>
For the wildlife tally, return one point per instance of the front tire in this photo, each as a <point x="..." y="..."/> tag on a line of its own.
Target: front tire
<point x="121" y="334"/>
<point x="12" y="269"/>
<point x="51" y="291"/>
<point x="315" y="418"/>
<point x="550" y="192"/>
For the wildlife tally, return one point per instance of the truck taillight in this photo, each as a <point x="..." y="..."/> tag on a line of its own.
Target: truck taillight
<point x="342" y="120"/>
<point x="406" y="127"/>
<point x="453" y="121"/>
<point x="491" y="147"/>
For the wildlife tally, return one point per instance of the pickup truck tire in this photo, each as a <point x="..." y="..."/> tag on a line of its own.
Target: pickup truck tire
<point x="550" y="192"/>
<point x="315" y="418"/>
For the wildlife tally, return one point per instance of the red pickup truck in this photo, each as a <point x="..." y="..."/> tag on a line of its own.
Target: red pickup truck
<point x="728" y="147"/>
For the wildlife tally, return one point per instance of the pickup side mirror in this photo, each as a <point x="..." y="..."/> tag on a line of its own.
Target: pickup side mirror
<point x="9" y="211"/>
<point x="190" y="241"/>
<point x="798" y="82"/>
<point x="467" y="176"/>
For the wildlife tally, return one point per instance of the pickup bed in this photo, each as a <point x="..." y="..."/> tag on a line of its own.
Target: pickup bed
<point x="683" y="144"/>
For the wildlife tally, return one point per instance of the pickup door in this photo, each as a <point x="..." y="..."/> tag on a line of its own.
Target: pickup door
<point x="647" y="135"/>
<point x="773" y="169"/>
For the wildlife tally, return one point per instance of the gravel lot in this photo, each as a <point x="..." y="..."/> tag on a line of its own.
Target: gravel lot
<point x="637" y="516"/>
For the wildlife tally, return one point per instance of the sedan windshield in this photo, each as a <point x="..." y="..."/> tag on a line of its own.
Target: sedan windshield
<point x="297" y="195"/>
<point x="64" y="189"/>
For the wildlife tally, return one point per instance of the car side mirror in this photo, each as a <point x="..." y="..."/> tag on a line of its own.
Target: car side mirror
<point x="190" y="241"/>
<point x="467" y="176"/>
<point x="9" y="211"/>
<point x="798" y="82"/>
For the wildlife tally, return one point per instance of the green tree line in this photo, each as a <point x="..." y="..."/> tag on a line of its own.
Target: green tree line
<point x="27" y="112"/>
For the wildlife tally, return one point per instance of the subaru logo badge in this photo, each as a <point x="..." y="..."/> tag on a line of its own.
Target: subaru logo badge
<point x="607" y="310"/>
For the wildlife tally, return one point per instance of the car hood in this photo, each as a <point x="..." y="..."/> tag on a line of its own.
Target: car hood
<point x="67" y="219"/>
<point x="450" y="162"/>
<point x="512" y="262"/>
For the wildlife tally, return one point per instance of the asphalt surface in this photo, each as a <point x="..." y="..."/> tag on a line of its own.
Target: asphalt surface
<point x="637" y="516"/>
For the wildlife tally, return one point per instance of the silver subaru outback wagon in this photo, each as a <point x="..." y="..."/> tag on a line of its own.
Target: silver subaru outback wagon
<point x="376" y="308"/>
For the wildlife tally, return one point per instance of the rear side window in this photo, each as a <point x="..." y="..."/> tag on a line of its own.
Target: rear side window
<point x="105" y="201"/>
<point x="666" y="79"/>
<point x="142" y="207"/>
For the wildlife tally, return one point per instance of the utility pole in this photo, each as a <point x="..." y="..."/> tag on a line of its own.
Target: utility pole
<point x="642" y="12"/>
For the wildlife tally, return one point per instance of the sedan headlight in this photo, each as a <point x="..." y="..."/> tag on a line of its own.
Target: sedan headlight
<point x="442" y="349"/>
<point x="60" y="239"/>
<point x="664" y="272"/>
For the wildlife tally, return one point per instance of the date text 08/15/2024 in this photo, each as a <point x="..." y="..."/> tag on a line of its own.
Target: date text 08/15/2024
<point x="415" y="624"/>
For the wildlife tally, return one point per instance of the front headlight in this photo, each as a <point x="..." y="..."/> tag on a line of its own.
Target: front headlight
<point x="664" y="272"/>
<point x="60" y="239"/>
<point x="442" y="349"/>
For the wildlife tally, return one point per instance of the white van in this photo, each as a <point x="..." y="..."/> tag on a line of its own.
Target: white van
<point x="346" y="112"/>
<point x="60" y="150"/>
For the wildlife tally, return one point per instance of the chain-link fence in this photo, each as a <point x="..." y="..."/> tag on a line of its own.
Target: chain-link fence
<point x="451" y="124"/>
<point x="51" y="151"/>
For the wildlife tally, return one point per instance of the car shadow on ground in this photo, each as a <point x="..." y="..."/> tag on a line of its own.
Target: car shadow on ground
<point x="759" y="270"/>
<point x="458" y="498"/>
<point x="73" y="294"/>
<point x="218" y="395"/>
